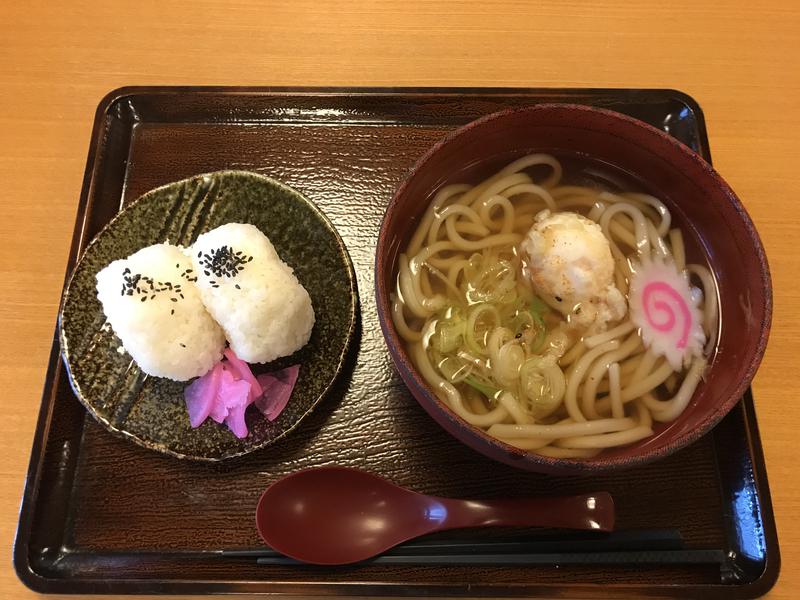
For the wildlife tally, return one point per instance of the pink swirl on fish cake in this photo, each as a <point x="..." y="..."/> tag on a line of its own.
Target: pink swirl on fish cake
<point x="661" y="306"/>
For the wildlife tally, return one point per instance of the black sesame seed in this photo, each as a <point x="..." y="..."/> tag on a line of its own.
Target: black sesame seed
<point x="558" y="299"/>
<point x="172" y="312"/>
<point x="144" y="298"/>
<point x="174" y="299"/>
<point x="224" y="262"/>
<point x="181" y="295"/>
<point x="237" y="287"/>
<point x="183" y="345"/>
<point x="199" y="254"/>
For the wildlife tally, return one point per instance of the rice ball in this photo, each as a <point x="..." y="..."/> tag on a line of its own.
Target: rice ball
<point x="265" y="311"/>
<point x="153" y="306"/>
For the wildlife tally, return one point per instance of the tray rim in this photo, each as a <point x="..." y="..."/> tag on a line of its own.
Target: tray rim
<point x="40" y="583"/>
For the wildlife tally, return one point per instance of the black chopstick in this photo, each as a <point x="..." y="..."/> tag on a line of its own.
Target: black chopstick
<point x="621" y="541"/>
<point x="715" y="557"/>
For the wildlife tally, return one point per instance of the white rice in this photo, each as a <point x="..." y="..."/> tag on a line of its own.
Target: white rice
<point x="167" y="331"/>
<point x="265" y="311"/>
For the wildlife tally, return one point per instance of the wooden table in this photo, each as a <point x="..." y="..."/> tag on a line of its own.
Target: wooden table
<point x="56" y="62"/>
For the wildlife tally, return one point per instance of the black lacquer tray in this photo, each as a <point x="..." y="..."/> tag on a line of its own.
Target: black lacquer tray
<point x="101" y="515"/>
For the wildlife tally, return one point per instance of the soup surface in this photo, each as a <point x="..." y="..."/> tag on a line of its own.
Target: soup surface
<point x="554" y="308"/>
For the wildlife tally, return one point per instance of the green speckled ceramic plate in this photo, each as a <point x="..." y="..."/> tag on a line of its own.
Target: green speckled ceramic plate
<point x="150" y="410"/>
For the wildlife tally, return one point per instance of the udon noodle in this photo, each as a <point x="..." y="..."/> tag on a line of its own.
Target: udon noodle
<point x="518" y="363"/>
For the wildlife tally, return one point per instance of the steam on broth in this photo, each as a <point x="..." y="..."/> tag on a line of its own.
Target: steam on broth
<point x="562" y="319"/>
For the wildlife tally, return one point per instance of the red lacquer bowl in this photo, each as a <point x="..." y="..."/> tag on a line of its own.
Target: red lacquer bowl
<point x="716" y="225"/>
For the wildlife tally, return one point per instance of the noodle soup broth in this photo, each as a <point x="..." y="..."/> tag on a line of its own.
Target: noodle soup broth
<point x="558" y="305"/>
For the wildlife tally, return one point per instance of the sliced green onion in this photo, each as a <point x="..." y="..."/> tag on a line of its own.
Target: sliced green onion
<point x="470" y="335"/>
<point x="541" y="335"/>
<point x="542" y="384"/>
<point x="538" y="307"/>
<point x="484" y="388"/>
<point x="538" y="310"/>
<point x="449" y="334"/>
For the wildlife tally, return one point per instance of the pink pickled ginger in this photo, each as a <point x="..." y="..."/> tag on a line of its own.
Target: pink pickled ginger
<point x="234" y="396"/>
<point x="242" y="371"/>
<point x="201" y="395"/>
<point x="225" y="392"/>
<point x="277" y="388"/>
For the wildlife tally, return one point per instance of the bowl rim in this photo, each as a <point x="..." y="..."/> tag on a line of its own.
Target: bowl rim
<point x="481" y="441"/>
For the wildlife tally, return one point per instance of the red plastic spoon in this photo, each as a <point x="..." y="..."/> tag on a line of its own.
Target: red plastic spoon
<point x="335" y="515"/>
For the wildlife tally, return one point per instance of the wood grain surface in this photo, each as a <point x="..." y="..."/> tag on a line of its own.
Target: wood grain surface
<point x="58" y="59"/>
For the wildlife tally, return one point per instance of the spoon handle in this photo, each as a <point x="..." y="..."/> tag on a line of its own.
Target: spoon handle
<point x="594" y="511"/>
